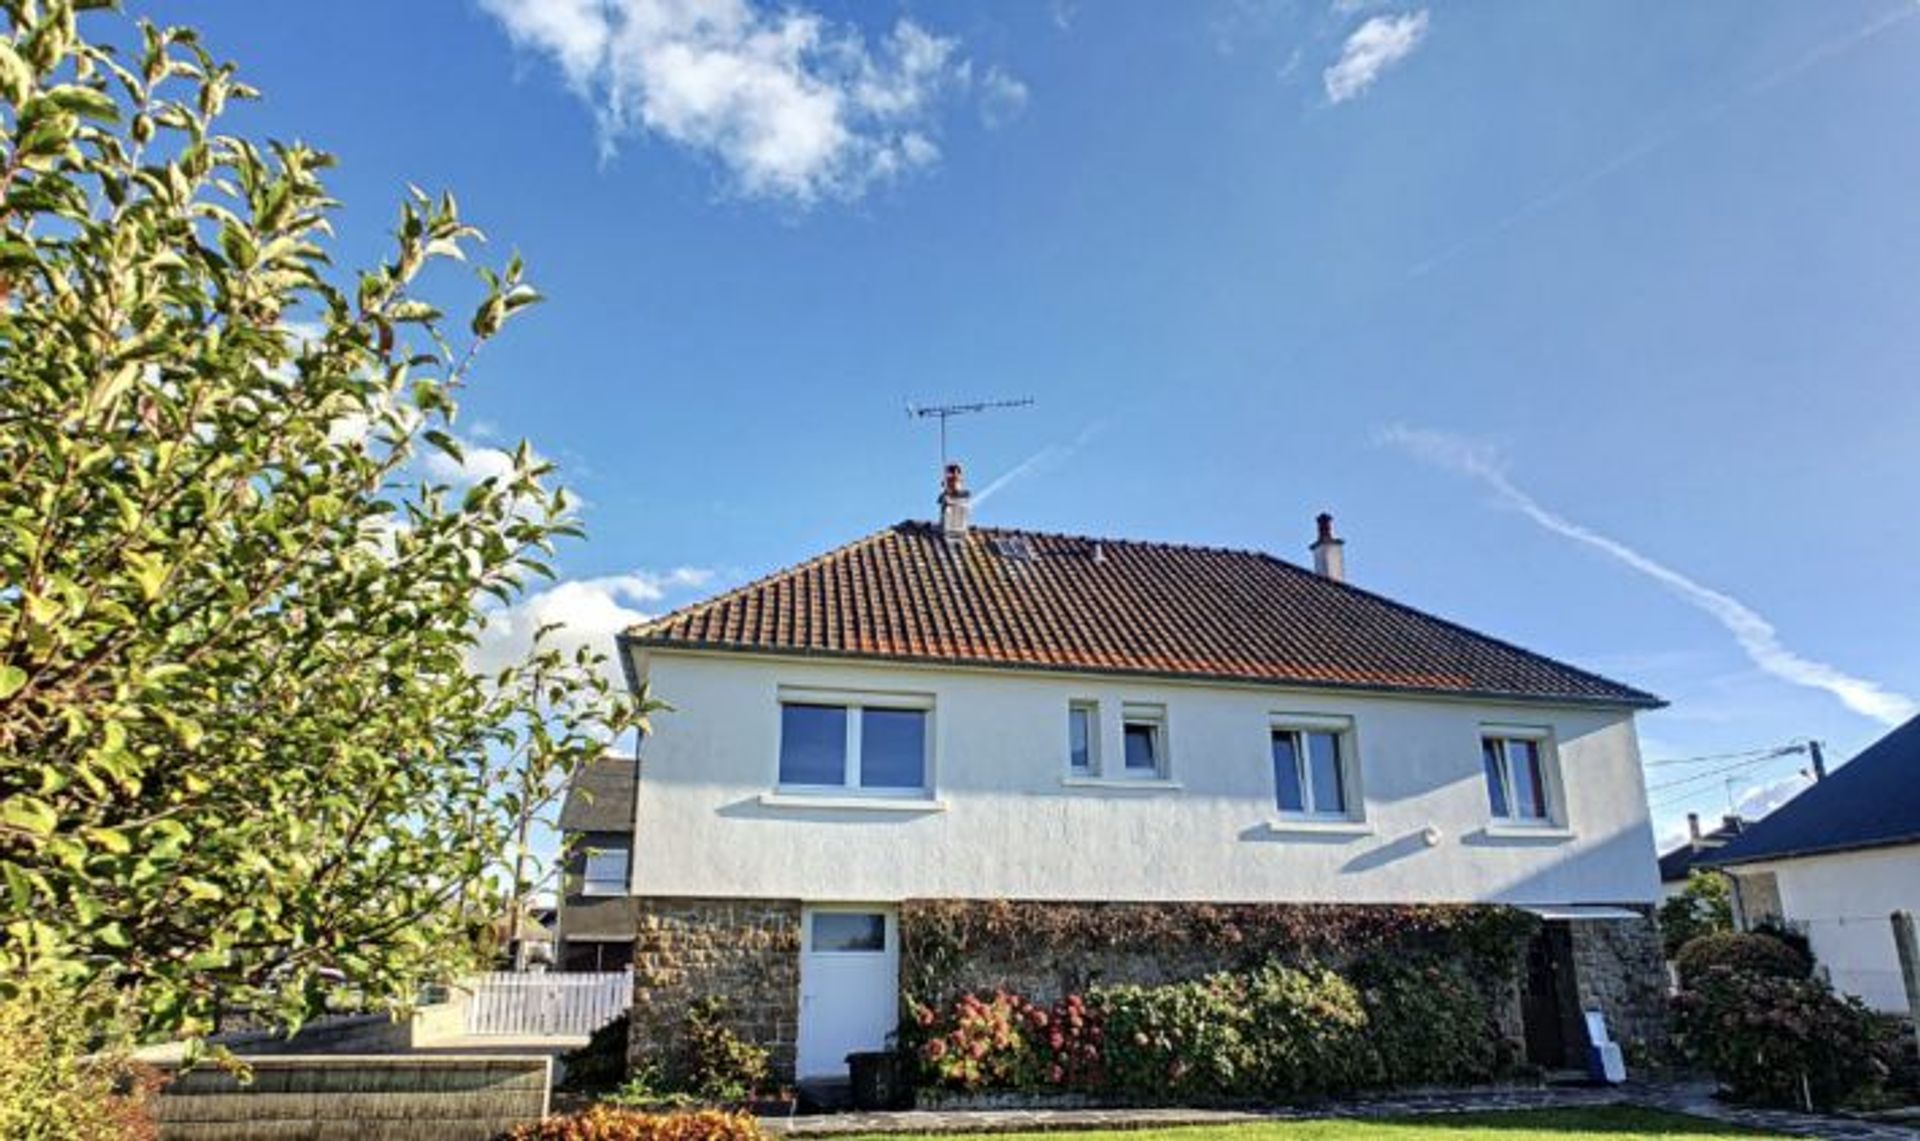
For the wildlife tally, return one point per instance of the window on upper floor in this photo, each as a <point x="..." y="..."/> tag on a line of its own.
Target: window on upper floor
<point x="1314" y="769"/>
<point x="1083" y="738"/>
<point x="876" y="745"/>
<point x="1520" y="775"/>
<point x="1143" y="735"/>
<point x="605" y="868"/>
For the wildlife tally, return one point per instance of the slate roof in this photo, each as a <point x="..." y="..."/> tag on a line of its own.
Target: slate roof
<point x="1871" y="801"/>
<point x="600" y="797"/>
<point x="1025" y="599"/>
<point x="1679" y="864"/>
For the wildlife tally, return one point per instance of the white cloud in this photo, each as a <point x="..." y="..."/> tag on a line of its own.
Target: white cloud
<point x="1375" y="46"/>
<point x="588" y="612"/>
<point x="1046" y="459"/>
<point x="1002" y="98"/>
<point x="1754" y="634"/>
<point x="791" y="106"/>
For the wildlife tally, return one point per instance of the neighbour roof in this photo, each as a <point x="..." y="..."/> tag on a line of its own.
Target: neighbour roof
<point x="600" y="797"/>
<point x="1869" y="802"/>
<point x="1679" y="863"/>
<point x="1024" y="599"/>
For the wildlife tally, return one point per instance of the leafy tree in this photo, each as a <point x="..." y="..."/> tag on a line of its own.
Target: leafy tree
<point x="243" y="759"/>
<point x="1703" y="907"/>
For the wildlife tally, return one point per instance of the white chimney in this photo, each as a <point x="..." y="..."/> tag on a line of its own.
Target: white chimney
<point x="1329" y="553"/>
<point x="956" y="503"/>
<point x="1693" y="828"/>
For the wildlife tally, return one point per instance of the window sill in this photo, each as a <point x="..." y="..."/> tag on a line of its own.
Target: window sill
<point x="603" y="892"/>
<point x="856" y="803"/>
<point x="1544" y="833"/>
<point x="1136" y="784"/>
<point x="1306" y="826"/>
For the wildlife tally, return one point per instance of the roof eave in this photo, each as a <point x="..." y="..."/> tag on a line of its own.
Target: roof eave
<point x="1635" y="701"/>
<point x="1804" y="851"/>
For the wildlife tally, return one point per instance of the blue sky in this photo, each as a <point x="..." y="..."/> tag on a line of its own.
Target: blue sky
<point x="1497" y="284"/>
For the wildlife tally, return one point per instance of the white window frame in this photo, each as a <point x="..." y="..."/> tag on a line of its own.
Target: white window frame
<point x="1153" y="715"/>
<point x="855" y="702"/>
<point x="1551" y="793"/>
<point x="1091" y="711"/>
<point x="592" y="886"/>
<point x="1342" y="729"/>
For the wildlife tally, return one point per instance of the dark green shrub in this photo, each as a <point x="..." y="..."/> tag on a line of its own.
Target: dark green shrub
<point x="1184" y="1041"/>
<point x="1703" y="907"/>
<point x="1787" y="933"/>
<point x="1747" y="953"/>
<point x="1306" y="1033"/>
<point x="1781" y="1041"/>
<point x="602" y="1062"/>
<point x="1429" y="1023"/>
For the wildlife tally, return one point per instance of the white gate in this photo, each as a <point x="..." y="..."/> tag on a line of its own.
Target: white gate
<point x="504" y="1002"/>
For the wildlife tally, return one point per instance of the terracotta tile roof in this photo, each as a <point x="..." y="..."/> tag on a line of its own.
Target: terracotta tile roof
<point x="1112" y="606"/>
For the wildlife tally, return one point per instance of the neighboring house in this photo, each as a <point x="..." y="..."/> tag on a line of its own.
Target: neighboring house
<point x="535" y="930"/>
<point x="1677" y="866"/>
<point x="944" y="712"/>
<point x="596" y="915"/>
<point x="1837" y="861"/>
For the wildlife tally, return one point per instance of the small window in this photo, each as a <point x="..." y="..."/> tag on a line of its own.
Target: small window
<point x="1083" y="729"/>
<point x="1516" y="779"/>
<point x="848" y="931"/>
<point x="1144" y="735"/>
<point x="605" y="872"/>
<point x="880" y="748"/>
<point x="1310" y="772"/>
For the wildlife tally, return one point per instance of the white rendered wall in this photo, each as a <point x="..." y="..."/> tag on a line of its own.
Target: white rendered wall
<point x="1010" y="828"/>
<point x="1845" y="901"/>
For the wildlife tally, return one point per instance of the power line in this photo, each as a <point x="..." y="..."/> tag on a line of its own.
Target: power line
<point x="1785" y="750"/>
<point x="1771" y="751"/>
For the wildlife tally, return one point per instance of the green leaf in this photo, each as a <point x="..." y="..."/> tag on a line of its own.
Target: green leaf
<point x="29" y="814"/>
<point x="12" y="679"/>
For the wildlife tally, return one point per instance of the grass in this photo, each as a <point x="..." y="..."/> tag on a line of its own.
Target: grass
<point x="1611" y="1123"/>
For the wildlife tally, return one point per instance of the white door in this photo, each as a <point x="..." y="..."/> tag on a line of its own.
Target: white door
<point x="849" y="985"/>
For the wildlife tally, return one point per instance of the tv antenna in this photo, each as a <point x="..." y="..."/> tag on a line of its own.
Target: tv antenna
<point x="946" y="412"/>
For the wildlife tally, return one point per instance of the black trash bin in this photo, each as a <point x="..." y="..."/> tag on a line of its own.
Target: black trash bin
<point x="880" y="1080"/>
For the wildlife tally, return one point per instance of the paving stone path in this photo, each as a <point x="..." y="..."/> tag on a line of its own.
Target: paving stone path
<point x="1696" y="1099"/>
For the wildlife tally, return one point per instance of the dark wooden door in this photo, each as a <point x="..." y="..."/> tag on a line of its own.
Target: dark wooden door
<point x="1542" y="996"/>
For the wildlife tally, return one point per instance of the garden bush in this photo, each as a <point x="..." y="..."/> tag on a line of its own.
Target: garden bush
<point x="1006" y="1042"/>
<point x="602" y="1062"/>
<point x="713" y="1063"/>
<point x="1429" y="1023"/>
<point x="1747" y="953"/>
<point x="1307" y="1032"/>
<point x="1189" y="1040"/>
<point x="1781" y="1041"/>
<point x="53" y="1084"/>
<point x="609" y="1123"/>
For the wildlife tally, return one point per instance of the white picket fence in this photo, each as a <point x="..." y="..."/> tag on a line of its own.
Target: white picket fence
<point x="505" y="1002"/>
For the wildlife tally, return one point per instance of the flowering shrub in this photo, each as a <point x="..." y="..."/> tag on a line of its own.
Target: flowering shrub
<point x="607" y="1123"/>
<point x="1185" y="1040"/>
<point x="1308" y="1032"/>
<point x="1781" y="1041"/>
<point x="1429" y="1023"/>
<point x="1006" y="1042"/>
<point x="1748" y="953"/>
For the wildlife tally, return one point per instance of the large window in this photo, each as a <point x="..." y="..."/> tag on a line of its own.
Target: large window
<point x="605" y="872"/>
<point x="876" y="747"/>
<point x="1518" y="775"/>
<point x="1310" y="772"/>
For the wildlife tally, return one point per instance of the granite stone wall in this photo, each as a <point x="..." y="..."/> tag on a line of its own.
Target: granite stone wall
<point x="1619" y="969"/>
<point x="746" y="951"/>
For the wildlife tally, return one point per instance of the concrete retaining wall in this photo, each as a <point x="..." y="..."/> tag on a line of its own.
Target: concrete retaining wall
<point x="358" y="1098"/>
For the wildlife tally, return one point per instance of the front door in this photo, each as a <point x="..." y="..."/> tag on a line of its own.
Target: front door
<point x="849" y="985"/>
<point x="1546" y="995"/>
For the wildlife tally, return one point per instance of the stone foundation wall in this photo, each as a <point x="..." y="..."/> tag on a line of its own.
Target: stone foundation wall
<point x="1619" y="969"/>
<point x="746" y="951"/>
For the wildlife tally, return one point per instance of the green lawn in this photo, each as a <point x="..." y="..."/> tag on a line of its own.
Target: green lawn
<point x="1613" y="1123"/>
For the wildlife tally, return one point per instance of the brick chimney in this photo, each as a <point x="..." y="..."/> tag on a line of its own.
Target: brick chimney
<point x="1329" y="553"/>
<point x="956" y="503"/>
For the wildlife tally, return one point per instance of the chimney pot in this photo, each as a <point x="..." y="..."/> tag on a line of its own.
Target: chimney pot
<point x="1693" y="826"/>
<point x="1329" y="551"/>
<point x="956" y="503"/>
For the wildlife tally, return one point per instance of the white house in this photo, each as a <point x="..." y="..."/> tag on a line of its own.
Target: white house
<point x="951" y="712"/>
<point x="1837" y="861"/>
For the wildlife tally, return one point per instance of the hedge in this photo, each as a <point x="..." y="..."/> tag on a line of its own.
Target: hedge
<point x="1748" y="953"/>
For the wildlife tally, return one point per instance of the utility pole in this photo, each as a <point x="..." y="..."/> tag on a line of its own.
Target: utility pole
<point x="1819" y="761"/>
